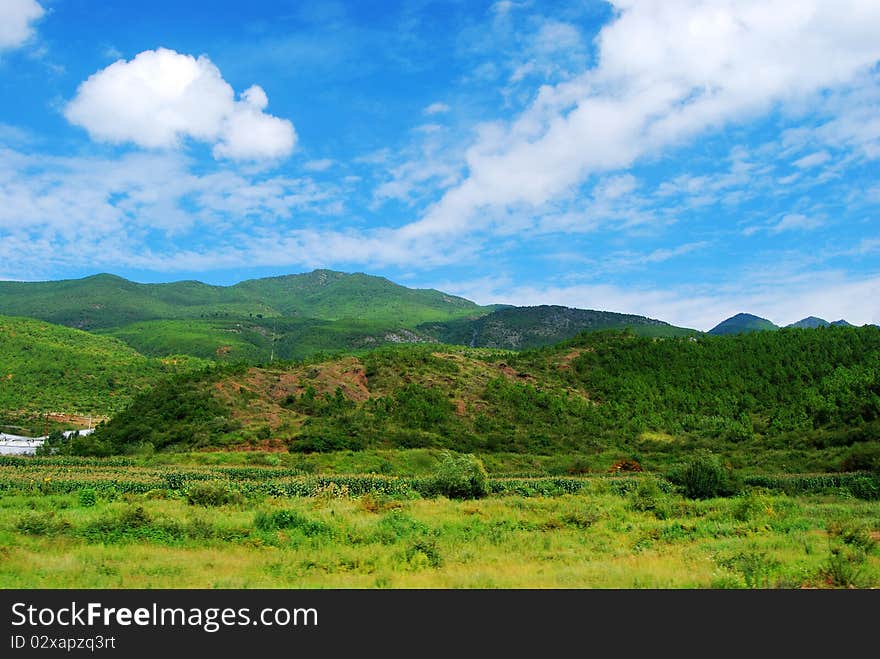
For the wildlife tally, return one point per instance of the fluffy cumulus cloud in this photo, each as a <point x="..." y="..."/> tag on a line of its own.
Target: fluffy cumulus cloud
<point x="161" y="97"/>
<point x="16" y="21"/>
<point x="666" y="72"/>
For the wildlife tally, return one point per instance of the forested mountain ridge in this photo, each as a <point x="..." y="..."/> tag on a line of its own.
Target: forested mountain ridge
<point x="741" y="323"/>
<point x="104" y="301"/>
<point x="758" y="392"/>
<point x="516" y="328"/>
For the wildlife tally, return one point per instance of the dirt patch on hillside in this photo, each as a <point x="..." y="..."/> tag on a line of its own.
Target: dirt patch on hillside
<point x="565" y="363"/>
<point x="76" y="419"/>
<point x="513" y="374"/>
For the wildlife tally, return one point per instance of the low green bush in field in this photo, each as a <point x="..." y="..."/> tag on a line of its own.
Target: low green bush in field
<point x="212" y="493"/>
<point x="704" y="477"/>
<point x="87" y="497"/>
<point x="289" y="519"/>
<point x="42" y="524"/>
<point x="459" y="476"/>
<point x="849" y="546"/>
<point x="649" y="496"/>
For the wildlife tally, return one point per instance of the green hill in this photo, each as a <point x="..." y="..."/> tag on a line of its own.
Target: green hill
<point x="330" y="295"/>
<point x="287" y="317"/>
<point x="742" y="323"/>
<point x="810" y="322"/>
<point x="806" y="395"/>
<point x="517" y="328"/>
<point x="49" y="368"/>
<point x="106" y="301"/>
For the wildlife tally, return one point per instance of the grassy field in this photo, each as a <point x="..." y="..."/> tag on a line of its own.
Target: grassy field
<point x="268" y="523"/>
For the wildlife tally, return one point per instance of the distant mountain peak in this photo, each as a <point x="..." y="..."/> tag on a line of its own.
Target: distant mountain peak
<point x="742" y="323"/>
<point x="810" y="322"/>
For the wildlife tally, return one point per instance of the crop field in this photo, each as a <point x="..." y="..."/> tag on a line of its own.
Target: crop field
<point x="132" y="523"/>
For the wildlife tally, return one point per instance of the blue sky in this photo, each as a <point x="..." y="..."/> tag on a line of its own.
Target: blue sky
<point x="684" y="160"/>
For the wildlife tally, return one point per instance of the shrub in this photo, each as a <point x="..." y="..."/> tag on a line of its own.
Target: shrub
<point x="212" y="493"/>
<point x="87" y="497"/>
<point x="41" y="524"/>
<point x="748" y="506"/>
<point x="396" y="526"/>
<point x="865" y="457"/>
<point x="705" y="477"/>
<point x="754" y="566"/>
<point x="174" y="480"/>
<point x="460" y="476"/>
<point x="423" y="553"/>
<point x="849" y="547"/>
<point x="289" y="519"/>
<point x="865" y="487"/>
<point x="649" y="496"/>
<point x="581" y="519"/>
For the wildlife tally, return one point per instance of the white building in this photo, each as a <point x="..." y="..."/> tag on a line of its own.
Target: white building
<point x="20" y="445"/>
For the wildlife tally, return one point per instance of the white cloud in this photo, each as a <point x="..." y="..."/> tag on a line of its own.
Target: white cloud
<point x="796" y="222"/>
<point x="812" y="160"/>
<point x="436" y="108"/>
<point x="321" y="165"/>
<point x="666" y="72"/>
<point x="826" y="295"/>
<point x="110" y="210"/>
<point x="16" y="22"/>
<point x="162" y="97"/>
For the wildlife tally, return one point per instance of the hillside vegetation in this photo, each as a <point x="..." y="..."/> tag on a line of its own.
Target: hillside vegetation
<point x="515" y="328"/>
<point x="742" y="323"/>
<point x="45" y="367"/>
<point x="107" y="301"/>
<point x="806" y="397"/>
<point x="297" y="316"/>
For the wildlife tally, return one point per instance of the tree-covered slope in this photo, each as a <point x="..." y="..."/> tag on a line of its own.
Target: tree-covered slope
<point x="810" y="322"/>
<point x="814" y="389"/>
<point x="49" y="368"/>
<point x="516" y="328"/>
<point x="107" y="301"/>
<point x="330" y="295"/>
<point x="742" y="323"/>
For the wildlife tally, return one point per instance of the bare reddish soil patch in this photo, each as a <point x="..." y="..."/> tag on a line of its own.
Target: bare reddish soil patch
<point x="567" y="358"/>
<point x="513" y="374"/>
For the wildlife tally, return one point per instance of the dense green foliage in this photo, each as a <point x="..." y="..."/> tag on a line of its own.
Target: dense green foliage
<point x="47" y="368"/>
<point x="734" y="388"/>
<point x="460" y="476"/>
<point x="105" y="301"/>
<point x="742" y="323"/>
<point x="295" y="316"/>
<point x="288" y="317"/>
<point x="516" y="328"/>
<point x="766" y="401"/>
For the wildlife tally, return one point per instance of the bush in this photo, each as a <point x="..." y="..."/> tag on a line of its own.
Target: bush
<point x="289" y="519"/>
<point x="705" y="477"/>
<point x="649" y="496"/>
<point x="87" y="497"/>
<point x="865" y="457"/>
<point x="212" y="493"/>
<point x="849" y="545"/>
<point x="460" y="476"/>
<point x="41" y="524"/>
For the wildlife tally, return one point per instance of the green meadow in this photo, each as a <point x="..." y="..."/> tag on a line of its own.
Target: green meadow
<point x="259" y="522"/>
